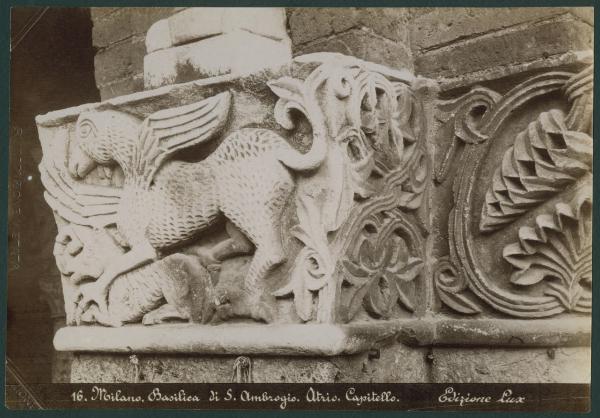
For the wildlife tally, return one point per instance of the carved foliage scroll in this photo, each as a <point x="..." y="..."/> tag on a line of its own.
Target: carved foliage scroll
<point x="536" y="209"/>
<point x="369" y="245"/>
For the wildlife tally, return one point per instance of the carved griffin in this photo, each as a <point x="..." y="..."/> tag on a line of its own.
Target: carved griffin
<point x="165" y="203"/>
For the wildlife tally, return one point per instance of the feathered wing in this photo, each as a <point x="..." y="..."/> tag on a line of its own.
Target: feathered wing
<point x="78" y="203"/>
<point x="170" y="130"/>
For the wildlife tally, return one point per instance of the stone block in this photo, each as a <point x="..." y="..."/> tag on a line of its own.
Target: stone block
<point x="517" y="45"/>
<point x="503" y="365"/>
<point x="120" y="87"/>
<point x="238" y="52"/>
<point x="196" y="23"/>
<point x="441" y="26"/>
<point x="363" y="44"/>
<point x="310" y="24"/>
<point x="395" y="364"/>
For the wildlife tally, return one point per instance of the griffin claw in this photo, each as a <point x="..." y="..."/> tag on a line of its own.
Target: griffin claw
<point x="90" y="293"/>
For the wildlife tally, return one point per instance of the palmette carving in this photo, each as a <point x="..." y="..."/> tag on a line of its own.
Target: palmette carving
<point x="558" y="250"/>
<point x="388" y="167"/>
<point x="538" y="195"/>
<point x="545" y="159"/>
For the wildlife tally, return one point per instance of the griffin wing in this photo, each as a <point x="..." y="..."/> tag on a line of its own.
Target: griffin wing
<point x="170" y="130"/>
<point x="78" y="203"/>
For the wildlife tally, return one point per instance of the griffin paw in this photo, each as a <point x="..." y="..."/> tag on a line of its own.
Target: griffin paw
<point x="93" y="316"/>
<point x="89" y="294"/>
<point x="263" y="310"/>
<point x="163" y="314"/>
<point x="242" y="305"/>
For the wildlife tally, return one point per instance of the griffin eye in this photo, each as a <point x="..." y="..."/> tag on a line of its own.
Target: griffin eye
<point x="84" y="130"/>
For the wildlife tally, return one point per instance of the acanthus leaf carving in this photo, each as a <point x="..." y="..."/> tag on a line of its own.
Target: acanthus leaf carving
<point x="552" y="152"/>
<point x="557" y="250"/>
<point x="545" y="158"/>
<point x="311" y="270"/>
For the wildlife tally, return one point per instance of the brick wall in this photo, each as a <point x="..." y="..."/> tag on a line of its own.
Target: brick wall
<point x="455" y="45"/>
<point x="460" y="45"/>
<point x="118" y="36"/>
<point x="375" y="34"/>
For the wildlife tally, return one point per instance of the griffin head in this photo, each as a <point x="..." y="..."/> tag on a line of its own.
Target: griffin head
<point x="102" y="138"/>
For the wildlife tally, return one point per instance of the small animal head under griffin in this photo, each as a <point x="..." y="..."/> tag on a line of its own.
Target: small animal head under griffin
<point x="102" y="138"/>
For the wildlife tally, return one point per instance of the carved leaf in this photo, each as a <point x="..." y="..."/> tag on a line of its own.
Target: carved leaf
<point x="379" y="268"/>
<point x="558" y="250"/>
<point x="545" y="158"/>
<point x="291" y="96"/>
<point x="340" y="193"/>
<point x="450" y="288"/>
<point x="311" y="270"/>
<point x="458" y="302"/>
<point x="299" y="287"/>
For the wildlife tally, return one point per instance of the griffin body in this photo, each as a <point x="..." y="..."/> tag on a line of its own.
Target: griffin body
<point x="164" y="203"/>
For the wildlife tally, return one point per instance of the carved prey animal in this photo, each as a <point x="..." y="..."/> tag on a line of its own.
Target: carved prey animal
<point x="165" y="203"/>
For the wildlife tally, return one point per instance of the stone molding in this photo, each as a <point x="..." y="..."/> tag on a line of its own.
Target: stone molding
<point x="324" y="339"/>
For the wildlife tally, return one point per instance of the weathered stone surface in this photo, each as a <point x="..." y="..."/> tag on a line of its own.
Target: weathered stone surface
<point x="363" y="44"/>
<point x="443" y="26"/>
<point x="112" y="25"/>
<point x="519" y="44"/>
<point x="203" y="42"/>
<point x="519" y="221"/>
<point x="142" y="223"/>
<point x="371" y="239"/>
<point x="238" y="53"/>
<point x="100" y="368"/>
<point x="310" y="24"/>
<point x="289" y="340"/>
<point x="118" y="34"/>
<point x="197" y="23"/>
<point x="121" y="61"/>
<point x="563" y="332"/>
<point x="394" y="364"/>
<point x="122" y="86"/>
<point x="497" y="365"/>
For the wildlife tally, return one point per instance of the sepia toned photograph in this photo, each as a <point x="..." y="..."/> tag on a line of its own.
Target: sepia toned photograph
<point x="294" y="208"/>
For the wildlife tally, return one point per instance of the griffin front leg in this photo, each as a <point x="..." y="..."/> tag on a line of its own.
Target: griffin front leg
<point x="97" y="292"/>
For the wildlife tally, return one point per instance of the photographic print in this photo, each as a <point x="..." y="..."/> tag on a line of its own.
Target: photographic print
<point x="294" y="208"/>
